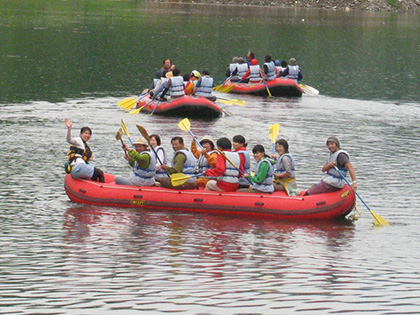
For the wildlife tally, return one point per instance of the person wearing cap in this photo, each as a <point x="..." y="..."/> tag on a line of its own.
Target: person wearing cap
<point x="204" y="86"/>
<point x="292" y="71"/>
<point x="284" y="170"/>
<point x="183" y="161"/>
<point x="253" y="75"/>
<point x="80" y="154"/>
<point x="175" y="85"/>
<point x="206" y="158"/>
<point x="227" y="175"/>
<point x="333" y="179"/>
<point x="190" y="86"/>
<point x="143" y="163"/>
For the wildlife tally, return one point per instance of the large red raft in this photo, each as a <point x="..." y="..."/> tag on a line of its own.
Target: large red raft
<point x="186" y="106"/>
<point x="278" y="205"/>
<point x="277" y="87"/>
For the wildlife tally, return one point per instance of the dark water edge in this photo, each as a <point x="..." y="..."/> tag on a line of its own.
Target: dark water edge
<point x="348" y="5"/>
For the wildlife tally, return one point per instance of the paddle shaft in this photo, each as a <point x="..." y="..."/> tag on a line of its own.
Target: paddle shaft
<point x="233" y="164"/>
<point x="348" y="183"/>
<point x="126" y="131"/>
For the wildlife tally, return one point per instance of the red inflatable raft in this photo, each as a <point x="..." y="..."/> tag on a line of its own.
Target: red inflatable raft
<point x="276" y="206"/>
<point x="277" y="87"/>
<point x="186" y="106"/>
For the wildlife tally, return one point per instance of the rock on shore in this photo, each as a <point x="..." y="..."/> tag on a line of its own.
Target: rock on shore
<point x="365" y="5"/>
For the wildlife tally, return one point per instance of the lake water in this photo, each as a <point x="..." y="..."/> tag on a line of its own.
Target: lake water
<point x="79" y="59"/>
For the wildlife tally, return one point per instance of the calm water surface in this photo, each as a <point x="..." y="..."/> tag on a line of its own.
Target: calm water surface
<point x="58" y="257"/>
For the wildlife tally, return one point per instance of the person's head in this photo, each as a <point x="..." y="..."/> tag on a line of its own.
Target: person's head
<point x="155" y="140"/>
<point x="277" y="62"/>
<point x="176" y="72"/>
<point x="258" y="152"/>
<point x="167" y="63"/>
<point x="333" y="144"/>
<point x="292" y="61"/>
<point x="205" y="72"/>
<point x="250" y="55"/>
<point x="140" y="144"/>
<point x="85" y="133"/>
<point x="207" y="143"/>
<point x="284" y="64"/>
<point x="224" y="144"/>
<point x="177" y="143"/>
<point x="254" y="62"/>
<point x="241" y="60"/>
<point x="235" y="60"/>
<point x="282" y="146"/>
<point x="195" y="75"/>
<point x="238" y="141"/>
<point x="267" y="58"/>
<point x="186" y="77"/>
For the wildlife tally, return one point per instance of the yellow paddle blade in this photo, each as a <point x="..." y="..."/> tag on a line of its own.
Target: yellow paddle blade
<point x="309" y="89"/>
<point x="128" y="103"/>
<point x="237" y="102"/>
<point x="125" y="128"/>
<point x="231" y="102"/>
<point x="273" y="132"/>
<point x="178" y="179"/>
<point x="184" y="124"/>
<point x="378" y="220"/>
<point x="224" y="102"/>
<point x="136" y="111"/>
<point x="224" y="89"/>
<point x="143" y="132"/>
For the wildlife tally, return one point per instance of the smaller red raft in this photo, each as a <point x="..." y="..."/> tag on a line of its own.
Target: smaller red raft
<point x="186" y="106"/>
<point x="278" y="205"/>
<point x="277" y="87"/>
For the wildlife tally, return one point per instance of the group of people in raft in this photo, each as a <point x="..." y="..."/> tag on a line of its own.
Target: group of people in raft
<point x="226" y="168"/>
<point x="248" y="70"/>
<point x="169" y="84"/>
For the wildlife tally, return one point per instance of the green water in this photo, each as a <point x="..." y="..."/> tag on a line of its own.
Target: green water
<point x="54" y="50"/>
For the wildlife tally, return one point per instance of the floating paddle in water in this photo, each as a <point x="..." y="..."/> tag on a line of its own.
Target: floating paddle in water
<point x="126" y="131"/>
<point x="377" y="219"/>
<point x="178" y="179"/>
<point x="185" y="125"/>
<point x="273" y="132"/>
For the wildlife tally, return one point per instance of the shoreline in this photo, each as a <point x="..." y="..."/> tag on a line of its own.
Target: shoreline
<point x="401" y="6"/>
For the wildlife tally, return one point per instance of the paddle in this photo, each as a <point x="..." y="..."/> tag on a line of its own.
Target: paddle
<point x="268" y="90"/>
<point x="178" y="179"/>
<point x="377" y="219"/>
<point x="118" y="136"/>
<point x="309" y="89"/>
<point x="230" y="101"/>
<point x="185" y="126"/>
<point x="126" y="131"/>
<point x="220" y="86"/>
<point x="156" y="105"/>
<point x="147" y="137"/>
<point x="273" y="132"/>
<point x="129" y="103"/>
<point x="242" y="173"/>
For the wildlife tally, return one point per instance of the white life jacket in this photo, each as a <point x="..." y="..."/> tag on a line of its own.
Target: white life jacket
<point x="271" y="74"/>
<point x="203" y="163"/>
<point x="159" y="171"/>
<point x="293" y="73"/>
<point x="231" y="174"/>
<point x="144" y="176"/>
<point x="279" y="165"/>
<point x="247" y="166"/>
<point x="206" y="87"/>
<point x="333" y="177"/>
<point x="267" y="183"/>
<point x="254" y="74"/>
<point x="189" y="165"/>
<point x="232" y="67"/>
<point x="177" y="86"/>
<point x="242" y="69"/>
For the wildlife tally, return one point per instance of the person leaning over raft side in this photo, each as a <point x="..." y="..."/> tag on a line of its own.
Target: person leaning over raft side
<point x="333" y="180"/>
<point x="206" y="158"/>
<point x="204" y="86"/>
<point x="239" y="146"/>
<point x="284" y="171"/>
<point x="175" y="86"/>
<point x="155" y="142"/>
<point x="183" y="161"/>
<point x="80" y="154"/>
<point x="143" y="163"/>
<point x="263" y="181"/>
<point x="227" y="175"/>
